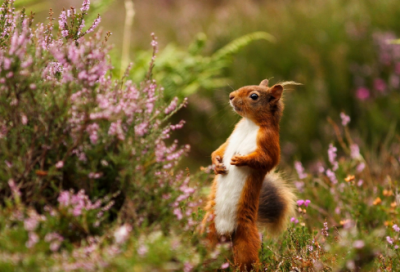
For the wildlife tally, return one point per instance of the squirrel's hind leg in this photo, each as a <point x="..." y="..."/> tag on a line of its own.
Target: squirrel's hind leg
<point x="246" y="245"/>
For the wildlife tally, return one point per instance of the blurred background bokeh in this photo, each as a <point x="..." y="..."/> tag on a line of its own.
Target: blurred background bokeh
<point x="342" y="52"/>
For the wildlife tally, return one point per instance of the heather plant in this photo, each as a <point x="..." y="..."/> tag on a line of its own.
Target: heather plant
<point x="82" y="151"/>
<point x="67" y="125"/>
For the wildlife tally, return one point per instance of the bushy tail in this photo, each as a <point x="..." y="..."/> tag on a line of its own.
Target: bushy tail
<point x="277" y="203"/>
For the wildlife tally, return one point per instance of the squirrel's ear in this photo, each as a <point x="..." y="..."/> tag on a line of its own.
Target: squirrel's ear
<point x="264" y="83"/>
<point x="276" y="93"/>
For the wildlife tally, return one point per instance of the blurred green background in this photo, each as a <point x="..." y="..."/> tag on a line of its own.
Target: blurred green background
<point x="339" y="49"/>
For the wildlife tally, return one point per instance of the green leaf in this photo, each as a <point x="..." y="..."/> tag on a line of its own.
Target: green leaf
<point x="234" y="46"/>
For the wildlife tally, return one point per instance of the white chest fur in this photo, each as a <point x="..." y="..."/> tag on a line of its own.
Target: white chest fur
<point x="229" y="188"/>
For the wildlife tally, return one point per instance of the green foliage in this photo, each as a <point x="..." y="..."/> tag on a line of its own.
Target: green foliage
<point x="186" y="72"/>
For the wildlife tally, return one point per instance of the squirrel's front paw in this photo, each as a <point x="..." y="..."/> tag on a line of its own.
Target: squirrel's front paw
<point x="220" y="169"/>
<point x="238" y="160"/>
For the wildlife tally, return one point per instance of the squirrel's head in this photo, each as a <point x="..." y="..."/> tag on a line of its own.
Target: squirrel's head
<point x="260" y="103"/>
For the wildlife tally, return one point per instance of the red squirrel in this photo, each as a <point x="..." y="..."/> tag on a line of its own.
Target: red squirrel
<point x="246" y="190"/>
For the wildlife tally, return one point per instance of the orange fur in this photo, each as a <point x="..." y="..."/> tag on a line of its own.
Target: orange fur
<point x="265" y="112"/>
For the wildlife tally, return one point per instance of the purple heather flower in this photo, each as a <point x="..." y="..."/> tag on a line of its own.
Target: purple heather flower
<point x="225" y="265"/>
<point x="62" y="22"/>
<point x="142" y="250"/>
<point x="379" y="85"/>
<point x="85" y="5"/>
<point x="307" y="202"/>
<point x="355" y="151"/>
<point x="300" y="170"/>
<point x="32" y="240"/>
<point x="396" y="228"/>
<point x="294" y="220"/>
<point x="53" y="236"/>
<point x="54" y="246"/>
<point x="331" y="175"/>
<point x="187" y="267"/>
<point x="360" y="167"/>
<point x="92" y="129"/>
<point x="64" y="198"/>
<point x="362" y="93"/>
<point x="95" y="175"/>
<point x="358" y="244"/>
<point x="60" y="164"/>
<point x="31" y="223"/>
<point x="178" y="213"/>
<point x="300" y="202"/>
<point x="8" y="164"/>
<point x="7" y="63"/>
<point x="65" y="33"/>
<point x="141" y="129"/>
<point x="172" y="106"/>
<point x="116" y="129"/>
<point x="332" y="157"/>
<point x="345" y="119"/>
<point x="179" y="125"/>
<point x="81" y="27"/>
<point x="14" y="188"/>
<point x="94" y="25"/>
<point x="389" y="240"/>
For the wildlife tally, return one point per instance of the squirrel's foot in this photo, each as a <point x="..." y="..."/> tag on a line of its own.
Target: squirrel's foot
<point x="220" y="169"/>
<point x="238" y="160"/>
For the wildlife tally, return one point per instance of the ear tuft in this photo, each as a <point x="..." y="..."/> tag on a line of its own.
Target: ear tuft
<point x="276" y="92"/>
<point x="264" y="83"/>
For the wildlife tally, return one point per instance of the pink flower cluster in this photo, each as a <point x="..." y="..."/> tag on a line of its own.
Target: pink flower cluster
<point x="17" y="51"/>
<point x="303" y="202"/>
<point x="186" y="192"/>
<point x="331" y="175"/>
<point x="300" y="170"/>
<point x="54" y="239"/>
<point x="98" y="113"/>
<point x="332" y="156"/>
<point x="9" y="17"/>
<point x="388" y="57"/>
<point x="77" y="203"/>
<point x="345" y="119"/>
<point x="30" y="225"/>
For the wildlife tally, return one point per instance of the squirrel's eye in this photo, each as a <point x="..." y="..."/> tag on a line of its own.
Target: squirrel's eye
<point x="254" y="96"/>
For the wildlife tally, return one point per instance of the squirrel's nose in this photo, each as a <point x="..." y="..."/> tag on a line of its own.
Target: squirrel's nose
<point x="231" y="97"/>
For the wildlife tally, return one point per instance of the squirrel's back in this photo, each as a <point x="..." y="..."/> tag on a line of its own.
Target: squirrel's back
<point x="277" y="203"/>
